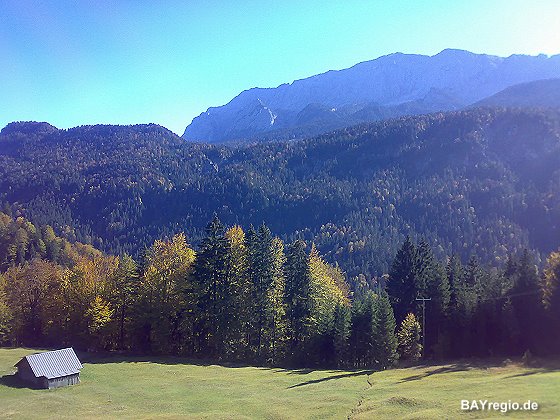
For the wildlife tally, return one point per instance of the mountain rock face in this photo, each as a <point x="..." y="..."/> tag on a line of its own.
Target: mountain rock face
<point x="389" y="86"/>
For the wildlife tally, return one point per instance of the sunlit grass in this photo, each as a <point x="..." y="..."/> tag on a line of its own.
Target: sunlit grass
<point x="172" y="388"/>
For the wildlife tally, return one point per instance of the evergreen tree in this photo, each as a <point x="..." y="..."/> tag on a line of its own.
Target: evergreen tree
<point x="298" y="298"/>
<point x="463" y="301"/>
<point x="435" y="286"/>
<point x="362" y="332"/>
<point x="526" y="302"/>
<point x="276" y="309"/>
<point x="214" y="292"/>
<point x="385" y="341"/>
<point x="341" y="334"/>
<point x="263" y="277"/>
<point x="238" y="274"/>
<point x="404" y="278"/>
<point x="266" y="260"/>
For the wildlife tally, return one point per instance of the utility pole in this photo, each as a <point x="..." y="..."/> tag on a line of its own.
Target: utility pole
<point x="423" y="322"/>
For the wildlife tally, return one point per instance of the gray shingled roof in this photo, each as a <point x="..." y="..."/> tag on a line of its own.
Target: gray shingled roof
<point x="54" y="364"/>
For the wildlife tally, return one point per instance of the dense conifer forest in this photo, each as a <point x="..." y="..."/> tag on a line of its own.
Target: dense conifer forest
<point x="482" y="181"/>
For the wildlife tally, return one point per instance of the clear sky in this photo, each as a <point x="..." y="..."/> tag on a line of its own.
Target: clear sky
<point x="133" y="61"/>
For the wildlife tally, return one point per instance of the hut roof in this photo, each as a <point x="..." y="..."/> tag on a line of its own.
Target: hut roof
<point x="53" y="364"/>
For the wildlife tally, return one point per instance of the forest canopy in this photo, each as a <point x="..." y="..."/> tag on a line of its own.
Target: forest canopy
<point x="484" y="181"/>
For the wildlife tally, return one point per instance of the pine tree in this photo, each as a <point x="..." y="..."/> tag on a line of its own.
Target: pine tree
<point x="526" y="302"/>
<point x="276" y="308"/>
<point x="214" y="291"/>
<point x="341" y="334"/>
<point x="263" y="280"/>
<point x="404" y="278"/>
<point x="385" y="340"/>
<point x="362" y="332"/>
<point x="434" y="286"/>
<point x="240" y="292"/>
<point x="473" y="272"/>
<point x="409" y="339"/>
<point x="266" y="260"/>
<point x="462" y="306"/>
<point x="298" y="298"/>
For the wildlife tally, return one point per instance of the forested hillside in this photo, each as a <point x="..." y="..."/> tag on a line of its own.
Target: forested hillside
<point x="537" y="94"/>
<point x="484" y="181"/>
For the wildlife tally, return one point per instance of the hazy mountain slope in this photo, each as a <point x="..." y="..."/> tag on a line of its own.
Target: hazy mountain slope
<point x="482" y="180"/>
<point x="392" y="85"/>
<point x="540" y="93"/>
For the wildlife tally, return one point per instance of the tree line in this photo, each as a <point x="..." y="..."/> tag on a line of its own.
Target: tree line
<point x="249" y="297"/>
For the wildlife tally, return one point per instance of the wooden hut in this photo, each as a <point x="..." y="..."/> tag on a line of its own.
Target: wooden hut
<point x="51" y="369"/>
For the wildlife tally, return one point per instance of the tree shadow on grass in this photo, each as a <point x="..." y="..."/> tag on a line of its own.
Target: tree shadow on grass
<point x="334" y="377"/>
<point x="456" y="367"/>
<point x="107" y="358"/>
<point x="534" y="372"/>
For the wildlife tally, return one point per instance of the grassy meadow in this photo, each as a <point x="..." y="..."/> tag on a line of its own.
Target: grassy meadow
<point x="136" y="387"/>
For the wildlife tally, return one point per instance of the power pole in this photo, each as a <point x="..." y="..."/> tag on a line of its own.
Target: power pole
<point x="423" y="322"/>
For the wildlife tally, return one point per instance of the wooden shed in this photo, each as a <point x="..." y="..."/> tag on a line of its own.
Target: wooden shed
<point x="51" y="369"/>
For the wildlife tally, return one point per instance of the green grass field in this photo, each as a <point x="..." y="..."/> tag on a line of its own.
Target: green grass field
<point x="174" y="388"/>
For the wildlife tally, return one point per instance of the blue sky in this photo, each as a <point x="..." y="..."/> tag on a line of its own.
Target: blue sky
<point x="132" y="61"/>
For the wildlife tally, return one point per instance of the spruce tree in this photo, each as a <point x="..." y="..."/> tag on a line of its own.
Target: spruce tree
<point x="462" y="306"/>
<point x="526" y="302"/>
<point x="265" y="261"/>
<point x="435" y="286"/>
<point x="276" y="308"/>
<point x="404" y="278"/>
<point x="361" y="331"/>
<point x="385" y="341"/>
<point x="240" y="322"/>
<point x="214" y="291"/>
<point x="297" y="298"/>
<point x="341" y="334"/>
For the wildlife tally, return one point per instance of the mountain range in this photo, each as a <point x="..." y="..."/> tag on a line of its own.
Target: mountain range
<point x="390" y="86"/>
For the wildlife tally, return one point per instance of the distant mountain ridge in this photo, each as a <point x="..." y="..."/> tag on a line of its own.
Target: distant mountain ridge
<point x="537" y="94"/>
<point x="389" y="86"/>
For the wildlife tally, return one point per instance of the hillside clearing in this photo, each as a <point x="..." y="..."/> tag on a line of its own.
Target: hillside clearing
<point x="171" y="388"/>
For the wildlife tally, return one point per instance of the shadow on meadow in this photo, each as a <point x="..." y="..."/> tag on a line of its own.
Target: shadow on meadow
<point x="334" y="377"/>
<point x="13" y="381"/>
<point x="457" y="367"/>
<point x="106" y="358"/>
<point x="536" y="367"/>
